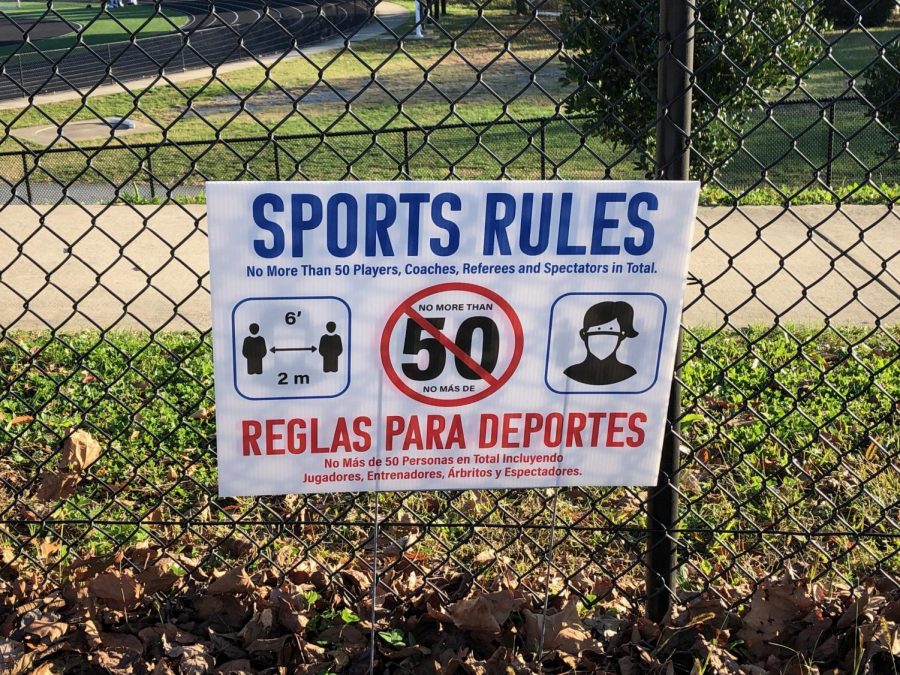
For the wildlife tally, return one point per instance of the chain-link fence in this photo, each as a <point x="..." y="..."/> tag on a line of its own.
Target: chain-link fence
<point x="832" y="140"/>
<point x="783" y="451"/>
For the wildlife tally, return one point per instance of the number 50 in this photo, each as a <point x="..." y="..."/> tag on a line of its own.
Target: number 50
<point x="414" y="343"/>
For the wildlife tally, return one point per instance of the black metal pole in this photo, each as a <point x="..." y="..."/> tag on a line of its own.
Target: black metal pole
<point x="543" y="151"/>
<point x="150" y="173"/>
<point x="673" y="130"/>
<point x="26" y="176"/>
<point x="829" y="168"/>
<point x="277" y="163"/>
<point x="405" y="164"/>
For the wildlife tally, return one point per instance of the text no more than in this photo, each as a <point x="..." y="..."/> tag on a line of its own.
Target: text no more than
<point x="480" y="269"/>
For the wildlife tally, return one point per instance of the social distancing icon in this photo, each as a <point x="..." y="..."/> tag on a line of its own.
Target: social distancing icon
<point x="291" y="347"/>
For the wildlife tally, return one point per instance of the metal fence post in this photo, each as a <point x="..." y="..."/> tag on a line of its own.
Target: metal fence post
<point x="149" y="157"/>
<point x="829" y="168"/>
<point x="543" y="150"/>
<point x="673" y="129"/>
<point x="277" y="163"/>
<point x="26" y="178"/>
<point x="405" y="165"/>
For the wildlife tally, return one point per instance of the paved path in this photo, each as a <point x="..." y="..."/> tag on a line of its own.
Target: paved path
<point x="53" y="283"/>
<point x="13" y="31"/>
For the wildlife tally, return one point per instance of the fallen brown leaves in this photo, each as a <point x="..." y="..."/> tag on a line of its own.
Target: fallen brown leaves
<point x="79" y="451"/>
<point x="103" y="615"/>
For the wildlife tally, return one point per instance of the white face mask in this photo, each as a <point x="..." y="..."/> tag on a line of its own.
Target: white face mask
<point x="602" y="345"/>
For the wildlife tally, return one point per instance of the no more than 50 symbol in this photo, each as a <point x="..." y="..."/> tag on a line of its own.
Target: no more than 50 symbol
<point x="430" y="341"/>
<point x="414" y="342"/>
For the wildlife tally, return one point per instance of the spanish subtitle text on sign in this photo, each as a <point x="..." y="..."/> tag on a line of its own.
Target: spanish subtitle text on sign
<point x="444" y="335"/>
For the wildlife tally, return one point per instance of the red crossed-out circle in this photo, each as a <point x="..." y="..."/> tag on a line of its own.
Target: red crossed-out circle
<point x="406" y="309"/>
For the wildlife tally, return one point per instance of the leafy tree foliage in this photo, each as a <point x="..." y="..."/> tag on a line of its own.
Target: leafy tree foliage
<point x="743" y="51"/>
<point x="882" y="87"/>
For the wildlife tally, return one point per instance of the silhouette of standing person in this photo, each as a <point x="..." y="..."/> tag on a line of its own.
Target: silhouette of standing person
<point x="605" y="326"/>
<point x="330" y="347"/>
<point x="254" y="350"/>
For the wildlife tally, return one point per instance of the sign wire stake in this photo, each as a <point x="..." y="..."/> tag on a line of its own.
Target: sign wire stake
<point x="550" y="547"/>
<point x="373" y="632"/>
<point x="374" y="585"/>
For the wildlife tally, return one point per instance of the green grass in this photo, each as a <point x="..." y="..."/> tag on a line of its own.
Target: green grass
<point x="852" y="51"/>
<point x="788" y="429"/>
<point x="99" y="26"/>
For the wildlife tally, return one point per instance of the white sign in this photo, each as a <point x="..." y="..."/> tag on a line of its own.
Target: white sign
<point x="446" y="335"/>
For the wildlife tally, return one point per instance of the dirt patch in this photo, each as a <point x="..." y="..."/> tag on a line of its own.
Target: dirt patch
<point x="84" y="130"/>
<point x="452" y="81"/>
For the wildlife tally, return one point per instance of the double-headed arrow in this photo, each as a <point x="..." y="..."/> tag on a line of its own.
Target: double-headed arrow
<point x="292" y="349"/>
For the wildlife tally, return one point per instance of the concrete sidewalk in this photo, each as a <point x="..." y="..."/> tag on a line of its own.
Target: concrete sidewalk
<point x="122" y="267"/>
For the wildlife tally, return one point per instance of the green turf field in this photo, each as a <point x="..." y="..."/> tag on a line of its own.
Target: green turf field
<point x="852" y="52"/>
<point x="99" y="26"/>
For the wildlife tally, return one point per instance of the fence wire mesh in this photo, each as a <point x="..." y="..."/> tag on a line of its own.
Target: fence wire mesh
<point x="113" y="118"/>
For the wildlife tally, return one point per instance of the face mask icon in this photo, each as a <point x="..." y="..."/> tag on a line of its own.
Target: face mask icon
<point x="603" y="345"/>
<point x="605" y="326"/>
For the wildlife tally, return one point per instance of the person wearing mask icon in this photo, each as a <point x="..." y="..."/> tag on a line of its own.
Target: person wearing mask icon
<point x="606" y="325"/>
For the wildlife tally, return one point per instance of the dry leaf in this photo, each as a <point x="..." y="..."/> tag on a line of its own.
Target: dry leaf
<point x="157" y="578"/>
<point x="154" y="516"/>
<point x="486" y="556"/>
<point x="21" y="419"/>
<point x="117" y="661"/>
<point x="475" y="614"/>
<point x="775" y="608"/>
<point x="55" y="486"/>
<point x="195" y="659"/>
<point x="236" y="667"/>
<point x="562" y="631"/>
<point x="121" y="641"/>
<point x="235" y="580"/>
<point x="47" y="548"/>
<point x="120" y="590"/>
<point x="484" y="613"/>
<point x="203" y="414"/>
<point x="80" y="450"/>
<point x="50" y="668"/>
